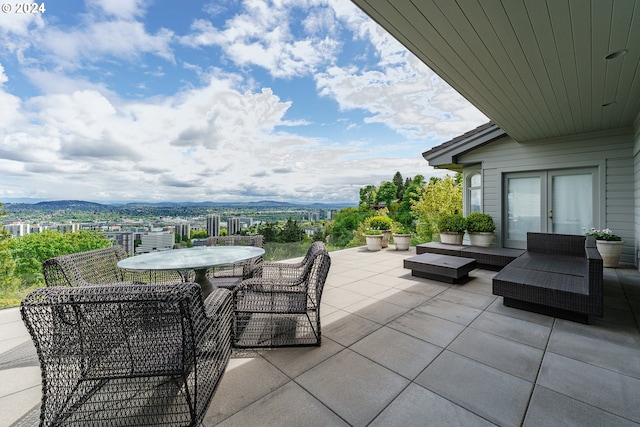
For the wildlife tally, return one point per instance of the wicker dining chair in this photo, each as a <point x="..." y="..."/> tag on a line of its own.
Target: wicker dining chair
<point x="100" y="266"/>
<point x="281" y="306"/>
<point x="230" y="276"/>
<point x="114" y="354"/>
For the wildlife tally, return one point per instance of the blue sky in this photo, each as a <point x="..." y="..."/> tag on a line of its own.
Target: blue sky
<point x="293" y="100"/>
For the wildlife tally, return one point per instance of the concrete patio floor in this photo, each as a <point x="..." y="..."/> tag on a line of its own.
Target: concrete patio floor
<point x="401" y="351"/>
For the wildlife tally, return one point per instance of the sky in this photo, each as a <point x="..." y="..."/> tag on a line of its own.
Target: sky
<point x="287" y="100"/>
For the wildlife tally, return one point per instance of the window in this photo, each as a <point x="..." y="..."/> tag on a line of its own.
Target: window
<point x="474" y="189"/>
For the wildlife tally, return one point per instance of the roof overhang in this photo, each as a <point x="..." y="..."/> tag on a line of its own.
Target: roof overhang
<point x="538" y="69"/>
<point x="445" y="156"/>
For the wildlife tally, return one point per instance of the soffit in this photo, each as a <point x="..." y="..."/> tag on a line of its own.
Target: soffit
<point x="535" y="68"/>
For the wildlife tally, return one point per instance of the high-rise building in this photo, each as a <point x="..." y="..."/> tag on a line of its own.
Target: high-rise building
<point x="213" y="225"/>
<point x="183" y="230"/>
<point x="233" y="226"/>
<point x="122" y="238"/>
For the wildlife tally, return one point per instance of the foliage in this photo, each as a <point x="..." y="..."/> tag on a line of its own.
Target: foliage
<point x="605" y="234"/>
<point x="440" y="197"/>
<point x="21" y="259"/>
<point x="8" y="282"/>
<point x="368" y="196"/>
<point x="199" y="234"/>
<point x="454" y="223"/>
<point x="345" y="223"/>
<point x="373" y="232"/>
<point x="386" y="193"/>
<point x="379" y="222"/>
<point x="291" y="232"/>
<point x="399" y="183"/>
<point x="480" y="222"/>
<point x="31" y="250"/>
<point x="269" y="232"/>
<point x="412" y="193"/>
<point x="401" y="229"/>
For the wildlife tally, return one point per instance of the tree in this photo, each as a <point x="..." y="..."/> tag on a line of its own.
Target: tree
<point x="291" y="232"/>
<point x="441" y="196"/>
<point x="386" y="193"/>
<point x="269" y="232"/>
<point x="345" y="223"/>
<point x="31" y="250"/>
<point x="397" y="180"/>
<point x="367" y="196"/>
<point x="199" y="234"/>
<point x="8" y="281"/>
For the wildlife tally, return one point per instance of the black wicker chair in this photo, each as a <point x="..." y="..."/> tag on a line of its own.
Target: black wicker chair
<point x="99" y="266"/>
<point x="150" y="354"/>
<point x="230" y="276"/>
<point x="281" y="307"/>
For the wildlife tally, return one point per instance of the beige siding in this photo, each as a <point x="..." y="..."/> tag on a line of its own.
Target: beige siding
<point x="611" y="153"/>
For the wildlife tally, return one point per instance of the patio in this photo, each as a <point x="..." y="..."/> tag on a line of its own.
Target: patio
<point x="400" y="350"/>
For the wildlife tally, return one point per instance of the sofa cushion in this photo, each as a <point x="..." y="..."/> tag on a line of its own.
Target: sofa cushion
<point x="562" y="264"/>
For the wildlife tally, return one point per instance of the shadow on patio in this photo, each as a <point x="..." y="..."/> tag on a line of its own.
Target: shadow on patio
<point x="400" y="350"/>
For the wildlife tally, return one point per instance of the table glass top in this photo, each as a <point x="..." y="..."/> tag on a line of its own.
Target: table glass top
<point x="198" y="257"/>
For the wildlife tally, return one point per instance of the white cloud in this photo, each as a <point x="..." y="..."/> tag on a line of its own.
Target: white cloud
<point x="123" y="9"/>
<point x="261" y="36"/>
<point x="118" y="39"/>
<point x="400" y="92"/>
<point x="228" y="135"/>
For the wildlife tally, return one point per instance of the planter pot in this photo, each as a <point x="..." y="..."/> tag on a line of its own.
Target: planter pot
<point x="610" y="252"/>
<point x="402" y="241"/>
<point x="451" y="237"/>
<point x="374" y="242"/>
<point x="479" y="238"/>
<point x="385" y="237"/>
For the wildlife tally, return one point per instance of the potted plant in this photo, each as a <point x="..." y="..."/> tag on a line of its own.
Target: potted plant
<point x="480" y="227"/>
<point x="451" y="228"/>
<point x="374" y="239"/>
<point x="383" y="224"/>
<point x="609" y="245"/>
<point x="402" y="238"/>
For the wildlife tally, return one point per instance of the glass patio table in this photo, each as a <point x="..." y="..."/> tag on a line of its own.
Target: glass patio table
<point x="199" y="259"/>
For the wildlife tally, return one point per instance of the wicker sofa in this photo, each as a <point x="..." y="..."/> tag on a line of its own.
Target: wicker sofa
<point x="100" y="266"/>
<point x="559" y="275"/>
<point x="128" y="354"/>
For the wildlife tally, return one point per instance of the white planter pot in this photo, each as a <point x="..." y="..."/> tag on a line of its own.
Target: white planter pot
<point x="610" y="252"/>
<point x="385" y="237"/>
<point x="374" y="242"/>
<point x="479" y="238"/>
<point x="451" y="237"/>
<point x="402" y="241"/>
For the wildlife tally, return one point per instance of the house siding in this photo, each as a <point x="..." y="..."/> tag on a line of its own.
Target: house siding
<point x="636" y="168"/>
<point x="610" y="152"/>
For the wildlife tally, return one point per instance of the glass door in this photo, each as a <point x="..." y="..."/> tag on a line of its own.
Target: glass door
<point x="549" y="202"/>
<point x="571" y="208"/>
<point x="524" y="208"/>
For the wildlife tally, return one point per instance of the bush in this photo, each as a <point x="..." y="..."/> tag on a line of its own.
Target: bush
<point x="480" y="222"/>
<point x="380" y="222"/>
<point x="373" y="232"/>
<point x="401" y="229"/>
<point x="453" y="223"/>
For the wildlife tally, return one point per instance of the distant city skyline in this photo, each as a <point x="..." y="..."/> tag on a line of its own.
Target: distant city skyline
<point x="294" y="100"/>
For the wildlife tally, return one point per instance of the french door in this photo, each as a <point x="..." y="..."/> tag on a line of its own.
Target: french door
<point x="558" y="201"/>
